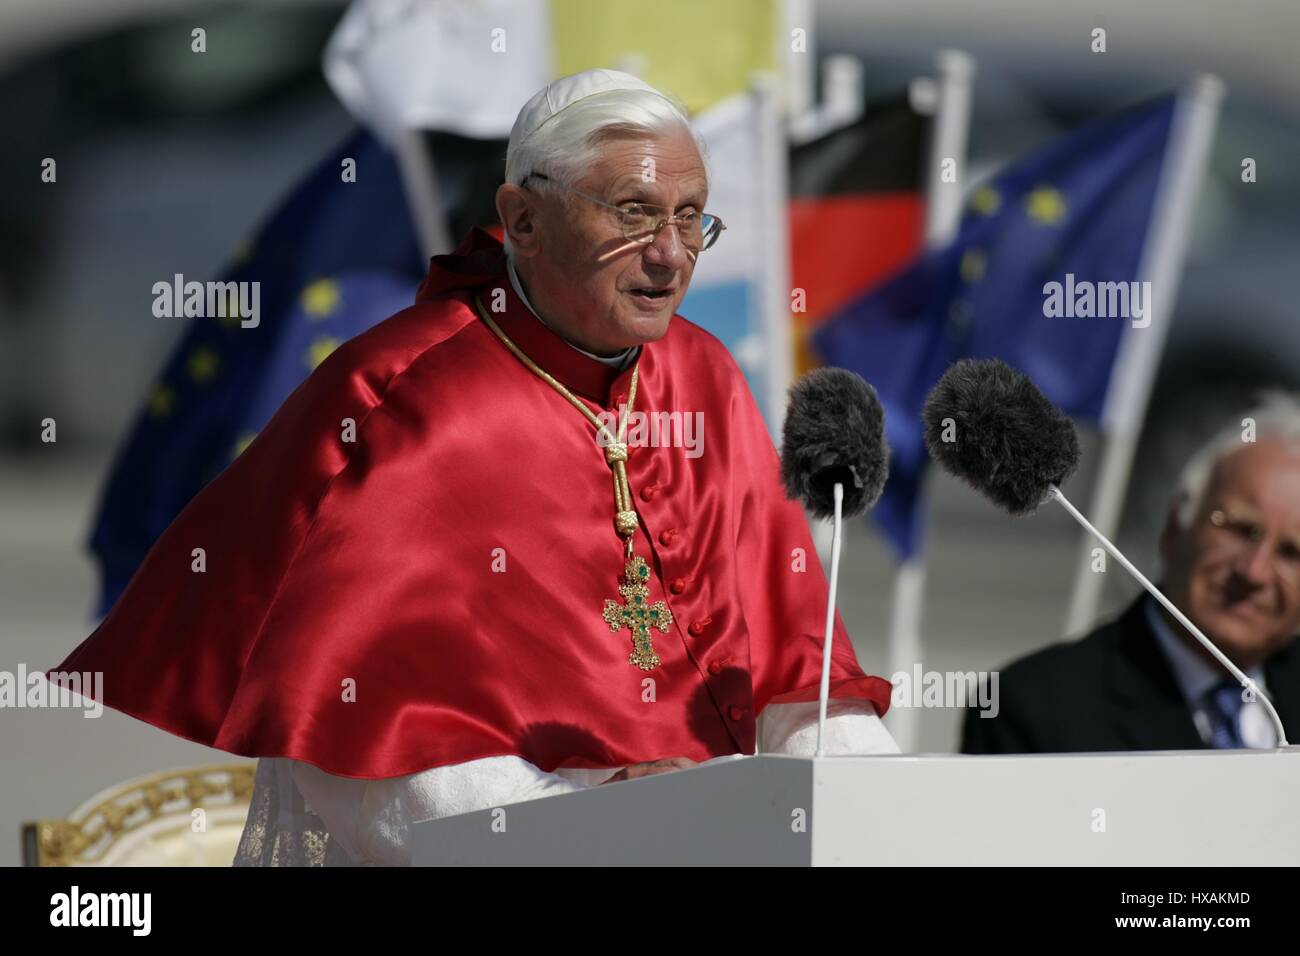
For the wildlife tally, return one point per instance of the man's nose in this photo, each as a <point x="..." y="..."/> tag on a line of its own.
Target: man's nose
<point x="666" y="248"/>
<point x="1255" y="563"/>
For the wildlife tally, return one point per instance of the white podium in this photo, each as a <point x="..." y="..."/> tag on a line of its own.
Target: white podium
<point x="1168" y="808"/>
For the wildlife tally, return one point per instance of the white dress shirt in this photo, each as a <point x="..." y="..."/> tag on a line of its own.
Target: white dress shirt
<point x="1195" y="676"/>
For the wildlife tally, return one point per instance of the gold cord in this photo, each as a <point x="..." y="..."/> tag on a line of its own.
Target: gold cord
<point x="626" y="519"/>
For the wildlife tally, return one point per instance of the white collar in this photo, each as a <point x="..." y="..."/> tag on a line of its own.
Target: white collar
<point x="619" y="361"/>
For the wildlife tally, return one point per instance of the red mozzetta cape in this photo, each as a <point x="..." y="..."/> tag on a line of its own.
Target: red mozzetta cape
<point x="451" y="564"/>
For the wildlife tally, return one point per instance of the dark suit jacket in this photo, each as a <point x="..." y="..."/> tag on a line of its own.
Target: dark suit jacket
<point x="1112" y="690"/>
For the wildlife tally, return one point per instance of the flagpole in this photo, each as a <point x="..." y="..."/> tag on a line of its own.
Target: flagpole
<point x="1191" y="137"/>
<point x="955" y="75"/>
<point x="423" y="196"/>
<point x="798" y="64"/>
<point x="775" y="232"/>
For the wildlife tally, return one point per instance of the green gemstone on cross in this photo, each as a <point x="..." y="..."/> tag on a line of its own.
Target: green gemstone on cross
<point x="636" y="615"/>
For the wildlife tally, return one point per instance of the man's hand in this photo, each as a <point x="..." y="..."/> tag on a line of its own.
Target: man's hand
<point x="652" y="767"/>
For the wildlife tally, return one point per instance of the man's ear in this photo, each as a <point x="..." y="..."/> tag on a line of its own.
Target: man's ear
<point x="518" y="211"/>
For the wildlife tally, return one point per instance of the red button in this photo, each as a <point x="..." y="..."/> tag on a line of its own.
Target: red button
<point x="735" y="713"/>
<point x="697" y="627"/>
<point x="678" y="585"/>
<point x="715" y="668"/>
<point x="666" y="537"/>
<point x="649" y="491"/>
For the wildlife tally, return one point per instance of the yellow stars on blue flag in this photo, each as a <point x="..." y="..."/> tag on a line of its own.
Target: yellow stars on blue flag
<point x="320" y="350"/>
<point x="986" y="201"/>
<point x="1045" y="205"/>
<point x="974" y="263"/>
<point x="972" y="267"/>
<point x="161" y="401"/>
<point x="321" y="298"/>
<point x="202" y="365"/>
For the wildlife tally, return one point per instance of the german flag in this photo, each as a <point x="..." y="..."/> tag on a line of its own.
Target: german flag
<point x="857" y="211"/>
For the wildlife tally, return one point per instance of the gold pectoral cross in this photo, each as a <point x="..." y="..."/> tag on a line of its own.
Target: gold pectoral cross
<point x="638" y="614"/>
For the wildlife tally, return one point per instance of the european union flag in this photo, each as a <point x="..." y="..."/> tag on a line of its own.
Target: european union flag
<point x="1075" y="212"/>
<point x="336" y="258"/>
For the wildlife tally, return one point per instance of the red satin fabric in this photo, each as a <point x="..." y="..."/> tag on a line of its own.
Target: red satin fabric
<point x="377" y="562"/>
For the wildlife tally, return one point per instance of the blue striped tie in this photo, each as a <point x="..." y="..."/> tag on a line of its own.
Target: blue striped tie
<point x="1224" y="703"/>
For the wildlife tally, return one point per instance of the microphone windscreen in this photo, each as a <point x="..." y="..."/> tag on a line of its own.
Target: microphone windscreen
<point x="989" y="425"/>
<point x="834" y="431"/>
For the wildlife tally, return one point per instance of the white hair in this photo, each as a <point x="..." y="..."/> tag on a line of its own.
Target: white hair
<point x="567" y="146"/>
<point x="1277" y="417"/>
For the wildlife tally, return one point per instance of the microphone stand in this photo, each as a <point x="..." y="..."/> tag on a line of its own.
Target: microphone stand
<point x="824" y="696"/>
<point x="1251" y="687"/>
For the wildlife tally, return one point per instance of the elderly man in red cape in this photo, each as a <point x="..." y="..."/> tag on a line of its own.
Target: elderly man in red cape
<point x="444" y="578"/>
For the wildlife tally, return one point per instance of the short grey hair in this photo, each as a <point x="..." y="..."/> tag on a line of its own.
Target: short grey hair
<point x="567" y="146"/>
<point x="1276" y="417"/>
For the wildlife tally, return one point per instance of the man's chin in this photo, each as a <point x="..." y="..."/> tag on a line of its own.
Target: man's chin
<point x="1237" y="634"/>
<point x="642" y="327"/>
